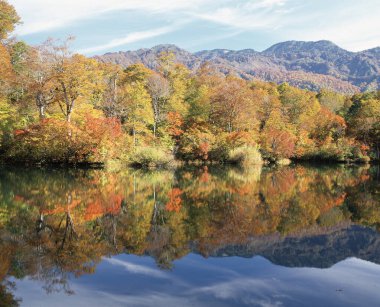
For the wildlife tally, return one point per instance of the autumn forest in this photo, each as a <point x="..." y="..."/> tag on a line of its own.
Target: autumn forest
<point x="60" y="107"/>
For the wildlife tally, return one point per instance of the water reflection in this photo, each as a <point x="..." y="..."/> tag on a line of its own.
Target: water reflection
<point x="57" y="223"/>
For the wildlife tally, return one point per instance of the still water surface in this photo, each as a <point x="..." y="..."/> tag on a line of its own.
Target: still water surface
<point x="292" y="236"/>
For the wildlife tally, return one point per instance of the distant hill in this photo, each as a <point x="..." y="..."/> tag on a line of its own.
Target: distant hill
<point x="314" y="250"/>
<point x="311" y="65"/>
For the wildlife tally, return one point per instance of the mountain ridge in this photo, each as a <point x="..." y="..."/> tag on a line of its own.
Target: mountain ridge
<point x="307" y="64"/>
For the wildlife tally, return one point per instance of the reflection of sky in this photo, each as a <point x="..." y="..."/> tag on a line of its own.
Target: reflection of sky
<point x="128" y="280"/>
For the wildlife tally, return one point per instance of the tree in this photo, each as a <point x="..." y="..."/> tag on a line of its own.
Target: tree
<point x="331" y="100"/>
<point x="277" y="138"/>
<point x="6" y="70"/>
<point x="78" y="77"/>
<point x="178" y="78"/>
<point x="138" y="106"/>
<point x="329" y="125"/>
<point x="118" y="87"/>
<point x="21" y="57"/>
<point x="8" y="122"/>
<point x="364" y="120"/>
<point x="199" y="102"/>
<point x="300" y="106"/>
<point x="41" y="77"/>
<point x="112" y="102"/>
<point x="159" y="90"/>
<point x="232" y="106"/>
<point x="8" y="19"/>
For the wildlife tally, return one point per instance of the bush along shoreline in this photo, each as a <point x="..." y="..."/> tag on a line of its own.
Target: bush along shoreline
<point x="58" y="107"/>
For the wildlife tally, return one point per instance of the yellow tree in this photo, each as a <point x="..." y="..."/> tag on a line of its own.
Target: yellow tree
<point x="300" y="106"/>
<point x="365" y="123"/>
<point x="78" y="77"/>
<point x="331" y="100"/>
<point x="6" y="71"/>
<point x="179" y="78"/>
<point x="139" y="111"/>
<point x="8" y="19"/>
<point x="233" y="107"/>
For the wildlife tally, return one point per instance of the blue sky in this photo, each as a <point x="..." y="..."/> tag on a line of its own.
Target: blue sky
<point x="102" y="26"/>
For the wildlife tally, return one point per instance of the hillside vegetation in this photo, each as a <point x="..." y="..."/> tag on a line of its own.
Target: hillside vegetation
<point x="309" y="65"/>
<point x="60" y="107"/>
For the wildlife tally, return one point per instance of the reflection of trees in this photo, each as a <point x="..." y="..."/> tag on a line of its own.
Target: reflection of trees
<point x="363" y="201"/>
<point x="6" y="297"/>
<point x="55" y="224"/>
<point x="6" y="287"/>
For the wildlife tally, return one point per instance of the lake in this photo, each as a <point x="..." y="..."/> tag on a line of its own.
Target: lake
<point x="298" y="235"/>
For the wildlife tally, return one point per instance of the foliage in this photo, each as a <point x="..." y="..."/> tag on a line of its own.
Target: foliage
<point x="364" y="120"/>
<point x="8" y="117"/>
<point x="151" y="157"/>
<point x="8" y="19"/>
<point x="56" y="106"/>
<point x="345" y="150"/>
<point x="55" y="141"/>
<point x="64" y="221"/>
<point x="245" y="156"/>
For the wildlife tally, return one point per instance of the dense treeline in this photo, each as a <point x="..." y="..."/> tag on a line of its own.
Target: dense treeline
<point x="56" y="106"/>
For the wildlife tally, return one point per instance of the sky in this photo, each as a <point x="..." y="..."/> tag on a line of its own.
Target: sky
<point x="101" y="26"/>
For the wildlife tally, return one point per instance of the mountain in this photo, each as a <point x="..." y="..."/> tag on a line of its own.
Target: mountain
<point x="312" y="250"/>
<point x="311" y="65"/>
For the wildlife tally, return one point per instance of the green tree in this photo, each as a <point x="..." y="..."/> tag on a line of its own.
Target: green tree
<point x="364" y="122"/>
<point x="335" y="102"/>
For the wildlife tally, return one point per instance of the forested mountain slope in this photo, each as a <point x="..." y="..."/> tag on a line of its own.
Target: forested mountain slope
<point x="310" y="65"/>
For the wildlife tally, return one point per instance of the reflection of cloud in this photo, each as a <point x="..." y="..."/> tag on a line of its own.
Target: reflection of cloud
<point x="260" y="292"/>
<point x="255" y="282"/>
<point x="151" y="299"/>
<point x="136" y="268"/>
<point x="85" y="296"/>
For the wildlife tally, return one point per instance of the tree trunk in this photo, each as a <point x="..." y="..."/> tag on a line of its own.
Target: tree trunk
<point x="40" y="102"/>
<point x="134" y="136"/>
<point x="42" y="112"/>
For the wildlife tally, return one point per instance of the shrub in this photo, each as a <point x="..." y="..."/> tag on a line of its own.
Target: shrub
<point x="151" y="157"/>
<point x="55" y="141"/>
<point x="8" y="119"/>
<point x="345" y="150"/>
<point x="196" y="143"/>
<point x="245" y="156"/>
<point x="277" y="144"/>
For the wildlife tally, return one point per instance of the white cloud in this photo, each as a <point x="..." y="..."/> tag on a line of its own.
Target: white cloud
<point x="234" y="18"/>
<point x="44" y="15"/>
<point x="265" y="4"/>
<point x="248" y="16"/>
<point x="129" y="38"/>
<point x="351" y="24"/>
